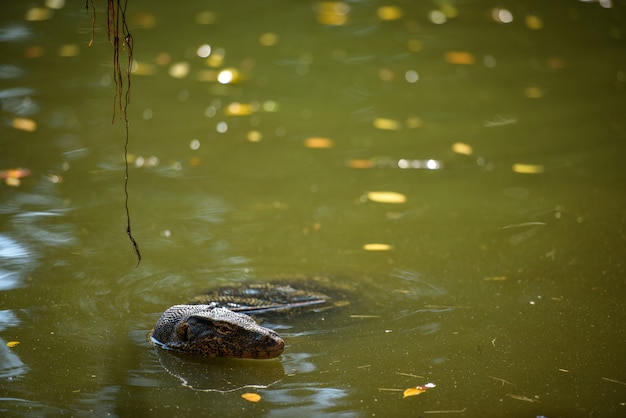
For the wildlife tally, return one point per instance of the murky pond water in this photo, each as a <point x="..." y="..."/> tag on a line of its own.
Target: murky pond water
<point x="495" y="137"/>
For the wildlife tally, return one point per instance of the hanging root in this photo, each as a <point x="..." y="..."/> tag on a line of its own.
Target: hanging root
<point x="116" y="25"/>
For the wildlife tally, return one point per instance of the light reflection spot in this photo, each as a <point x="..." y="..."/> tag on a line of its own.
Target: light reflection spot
<point x="206" y="17"/>
<point x="195" y="144"/>
<point x="432" y="164"/>
<point x="55" y="4"/>
<point x="183" y="95"/>
<point x="228" y="76"/>
<point x="179" y="70"/>
<point x="489" y="61"/>
<point x="270" y="106"/>
<point x="254" y="136"/>
<point x="411" y="76"/>
<point x="221" y="127"/>
<point x="501" y="15"/>
<point x="210" y="111"/>
<point x="437" y="17"/>
<point x="204" y="50"/>
<point x="268" y="39"/>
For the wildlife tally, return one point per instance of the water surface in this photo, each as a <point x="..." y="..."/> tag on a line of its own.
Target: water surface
<point x="500" y="277"/>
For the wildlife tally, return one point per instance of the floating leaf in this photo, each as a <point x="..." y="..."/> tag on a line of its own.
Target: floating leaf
<point x="24" y="124"/>
<point x="12" y="177"/>
<point x="528" y="168"/>
<point x="241" y="109"/>
<point x="459" y="57"/>
<point x="389" y="13"/>
<point x="251" y="397"/>
<point x="375" y="246"/>
<point x="386" y="197"/>
<point x="361" y="163"/>
<point x="417" y="390"/>
<point x="413" y="391"/>
<point x="318" y="142"/>
<point x="16" y="173"/>
<point x="12" y="344"/>
<point x="462" y="148"/>
<point x="254" y="136"/>
<point x="387" y="124"/>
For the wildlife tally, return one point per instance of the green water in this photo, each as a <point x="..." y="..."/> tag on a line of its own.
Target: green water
<point x="503" y="288"/>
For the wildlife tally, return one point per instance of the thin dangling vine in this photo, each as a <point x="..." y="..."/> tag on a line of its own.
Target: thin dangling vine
<point x="116" y="20"/>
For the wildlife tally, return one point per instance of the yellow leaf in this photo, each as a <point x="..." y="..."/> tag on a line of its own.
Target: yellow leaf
<point x="240" y="109"/>
<point x="462" y="148"/>
<point x="389" y="13"/>
<point x="387" y="124"/>
<point x="251" y="397"/>
<point x="360" y="163"/>
<point x="12" y="344"/>
<point x="413" y="391"/>
<point x="417" y="390"/>
<point x="528" y="168"/>
<point x="24" y="124"/>
<point x="318" y="142"/>
<point x="377" y="247"/>
<point x="459" y="57"/>
<point x="254" y="136"/>
<point x="386" y="197"/>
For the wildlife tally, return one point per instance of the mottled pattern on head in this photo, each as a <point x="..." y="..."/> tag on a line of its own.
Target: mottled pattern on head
<point x="215" y="332"/>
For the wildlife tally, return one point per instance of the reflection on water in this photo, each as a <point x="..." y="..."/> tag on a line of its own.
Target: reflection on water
<point x="311" y="401"/>
<point x="10" y="364"/>
<point x="221" y="375"/>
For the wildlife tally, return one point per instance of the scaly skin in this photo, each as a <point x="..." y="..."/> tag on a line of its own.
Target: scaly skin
<point x="204" y="330"/>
